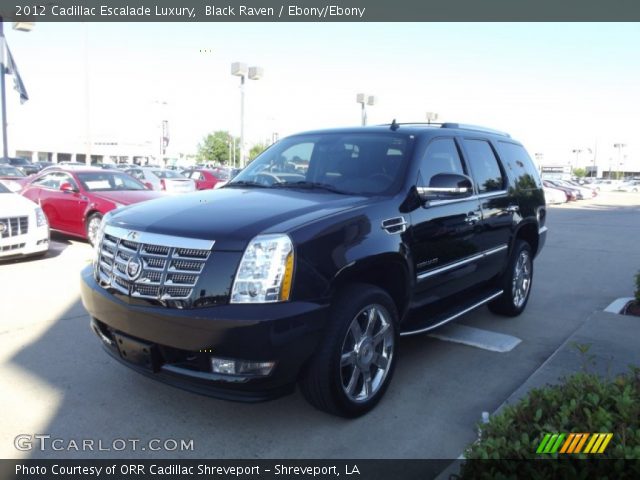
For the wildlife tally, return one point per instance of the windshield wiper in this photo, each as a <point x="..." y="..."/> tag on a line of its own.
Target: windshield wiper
<point x="311" y="185"/>
<point x="245" y="183"/>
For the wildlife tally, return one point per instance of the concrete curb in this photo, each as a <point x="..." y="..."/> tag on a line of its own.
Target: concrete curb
<point x="551" y="364"/>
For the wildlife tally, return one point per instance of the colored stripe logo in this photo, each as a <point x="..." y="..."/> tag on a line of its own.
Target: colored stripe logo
<point x="574" y="443"/>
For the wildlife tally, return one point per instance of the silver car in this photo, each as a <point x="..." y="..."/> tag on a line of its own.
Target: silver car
<point x="163" y="179"/>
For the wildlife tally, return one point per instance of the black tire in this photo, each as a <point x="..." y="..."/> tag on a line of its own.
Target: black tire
<point x="323" y="381"/>
<point x="511" y="303"/>
<point x="96" y="217"/>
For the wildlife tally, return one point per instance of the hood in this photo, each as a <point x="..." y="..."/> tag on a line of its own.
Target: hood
<point x="232" y="216"/>
<point x="14" y="205"/>
<point x="127" y="197"/>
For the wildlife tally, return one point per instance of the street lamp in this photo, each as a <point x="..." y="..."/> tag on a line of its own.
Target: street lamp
<point x="239" y="69"/>
<point x="577" y="151"/>
<point x="364" y="99"/>
<point x="619" y="146"/>
<point x="22" y="27"/>
<point x="431" y="117"/>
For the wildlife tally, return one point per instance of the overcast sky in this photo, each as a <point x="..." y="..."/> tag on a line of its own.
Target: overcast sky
<point x="556" y="87"/>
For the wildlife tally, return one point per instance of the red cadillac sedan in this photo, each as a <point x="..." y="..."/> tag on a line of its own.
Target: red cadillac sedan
<point x="208" y="178"/>
<point x="74" y="200"/>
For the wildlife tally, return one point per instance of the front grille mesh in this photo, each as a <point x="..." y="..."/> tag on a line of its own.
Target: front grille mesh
<point x="14" y="226"/>
<point x="168" y="273"/>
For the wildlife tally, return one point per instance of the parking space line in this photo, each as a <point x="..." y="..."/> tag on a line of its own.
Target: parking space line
<point x="477" y="337"/>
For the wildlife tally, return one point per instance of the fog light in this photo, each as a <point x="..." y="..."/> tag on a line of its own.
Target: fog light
<point x="226" y="366"/>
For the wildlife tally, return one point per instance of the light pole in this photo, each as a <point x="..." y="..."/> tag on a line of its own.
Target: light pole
<point x="577" y="151"/>
<point x="364" y="99"/>
<point x="239" y="69"/>
<point x="431" y="117"/>
<point x="619" y="146"/>
<point x="23" y="27"/>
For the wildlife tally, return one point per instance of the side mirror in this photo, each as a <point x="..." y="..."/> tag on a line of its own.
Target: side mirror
<point x="66" y="187"/>
<point x="446" y="186"/>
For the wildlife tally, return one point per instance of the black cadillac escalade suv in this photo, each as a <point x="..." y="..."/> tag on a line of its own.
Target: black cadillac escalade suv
<point x="308" y="266"/>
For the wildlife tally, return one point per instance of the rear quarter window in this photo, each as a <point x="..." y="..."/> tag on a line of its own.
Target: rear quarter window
<point x="519" y="165"/>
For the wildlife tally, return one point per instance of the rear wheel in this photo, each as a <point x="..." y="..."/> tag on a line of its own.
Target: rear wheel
<point x="93" y="225"/>
<point x="353" y="367"/>
<point x="516" y="282"/>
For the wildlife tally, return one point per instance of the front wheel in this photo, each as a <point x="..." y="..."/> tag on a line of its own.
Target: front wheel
<point x="93" y="225"/>
<point x="353" y="367"/>
<point x="516" y="282"/>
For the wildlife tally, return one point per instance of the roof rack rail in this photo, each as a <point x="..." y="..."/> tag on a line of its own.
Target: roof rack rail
<point x="434" y="124"/>
<point x="464" y="126"/>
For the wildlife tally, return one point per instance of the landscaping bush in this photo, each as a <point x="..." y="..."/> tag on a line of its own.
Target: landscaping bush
<point x="637" y="292"/>
<point x="584" y="403"/>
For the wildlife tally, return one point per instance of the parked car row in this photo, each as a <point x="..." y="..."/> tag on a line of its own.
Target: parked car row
<point x="72" y="197"/>
<point x="561" y="191"/>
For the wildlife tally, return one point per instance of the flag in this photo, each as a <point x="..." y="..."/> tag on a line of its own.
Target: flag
<point x="12" y="69"/>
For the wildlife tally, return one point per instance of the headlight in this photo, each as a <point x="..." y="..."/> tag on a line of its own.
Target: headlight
<point x="41" y="218"/>
<point x="265" y="271"/>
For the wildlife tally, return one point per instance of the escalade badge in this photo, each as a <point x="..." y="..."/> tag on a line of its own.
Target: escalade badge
<point x="134" y="268"/>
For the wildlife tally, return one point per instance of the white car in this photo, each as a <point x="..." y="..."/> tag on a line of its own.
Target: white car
<point x="554" y="196"/>
<point x="24" y="229"/>
<point x="163" y="179"/>
<point x="604" y="185"/>
<point x="631" y="186"/>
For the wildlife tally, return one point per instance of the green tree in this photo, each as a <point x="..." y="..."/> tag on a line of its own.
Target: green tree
<point x="215" y="148"/>
<point x="580" y="172"/>
<point x="256" y="150"/>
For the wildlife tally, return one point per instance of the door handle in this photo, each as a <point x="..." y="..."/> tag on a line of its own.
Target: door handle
<point x="513" y="209"/>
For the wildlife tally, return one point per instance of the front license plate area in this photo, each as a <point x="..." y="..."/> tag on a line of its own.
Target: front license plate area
<point x="138" y="353"/>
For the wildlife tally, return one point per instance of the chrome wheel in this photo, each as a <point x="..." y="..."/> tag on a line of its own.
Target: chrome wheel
<point x="92" y="229"/>
<point x="521" y="279"/>
<point x="367" y="353"/>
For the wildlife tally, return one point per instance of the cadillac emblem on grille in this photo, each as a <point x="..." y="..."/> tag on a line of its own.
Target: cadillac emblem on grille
<point x="134" y="268"/>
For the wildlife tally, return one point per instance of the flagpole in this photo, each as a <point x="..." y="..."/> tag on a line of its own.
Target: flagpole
<point x="3" y="96"/>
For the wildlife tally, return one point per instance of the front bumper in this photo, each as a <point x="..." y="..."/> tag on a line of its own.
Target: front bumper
<point x="34" y="242"/>
<point x="180" y="343"/>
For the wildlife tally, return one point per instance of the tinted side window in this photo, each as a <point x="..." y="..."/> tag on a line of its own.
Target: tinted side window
<point x="484" y="165"/>
<point x="441" y="156"/>
<point x="519" y="162"/>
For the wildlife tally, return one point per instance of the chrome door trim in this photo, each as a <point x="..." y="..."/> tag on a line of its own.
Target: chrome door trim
<point x="462" y="262"/>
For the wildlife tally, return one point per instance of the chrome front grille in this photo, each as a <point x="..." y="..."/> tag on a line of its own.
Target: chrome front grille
<point x="153" y="266"/>
<point x="14" y="226"/>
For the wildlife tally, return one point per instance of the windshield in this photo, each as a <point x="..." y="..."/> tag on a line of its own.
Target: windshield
<point x="351" y="163"/>
<point x="7" y="171"/>
<point x="104" y="181"/>
<point x="19" y="161"/>
<point x="167" y="174"/>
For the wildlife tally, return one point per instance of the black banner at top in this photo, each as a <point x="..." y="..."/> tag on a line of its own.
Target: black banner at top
<point x="319" y="10"/>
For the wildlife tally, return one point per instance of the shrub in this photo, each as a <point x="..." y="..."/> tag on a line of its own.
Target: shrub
<point x="584" y="403"/>
<point x="637" y="292"/>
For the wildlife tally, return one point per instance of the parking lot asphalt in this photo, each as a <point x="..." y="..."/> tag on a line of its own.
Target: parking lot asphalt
<point x="58" y="381"/>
